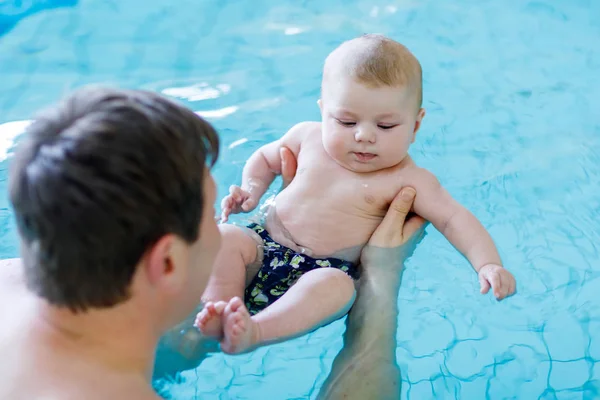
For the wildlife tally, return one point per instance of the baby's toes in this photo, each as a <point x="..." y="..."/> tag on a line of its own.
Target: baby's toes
<point x="209" y="308"/>
<point x="239" y="323"/>
<point x="203" y="319"/>
<point x="220" y="307"/>
<point x="236" y="304"/>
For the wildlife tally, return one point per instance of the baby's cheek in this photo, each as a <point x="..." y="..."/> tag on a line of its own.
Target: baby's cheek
<point x="335" y="141"/>
<point x="393" y="153"/>
<point x="341" y="140"/>
<point x="400" y="143"/>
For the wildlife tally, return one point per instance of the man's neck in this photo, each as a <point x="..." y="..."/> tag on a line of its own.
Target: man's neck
<point x="115" y="339"/>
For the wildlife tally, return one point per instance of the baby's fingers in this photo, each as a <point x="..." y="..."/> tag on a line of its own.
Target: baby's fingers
<point x="513" y="287"/>
<point x="235" y="192"/>
<point x="227" y="202"/>
<point x="504" y="288"/>
<point x="249" y="205"/>
<point x="495" y="281"/>
<point x="485" y="285"/>
<point x="226" y="206"/>
<point x="225" y="214"/>
<point x="510" y="284"/>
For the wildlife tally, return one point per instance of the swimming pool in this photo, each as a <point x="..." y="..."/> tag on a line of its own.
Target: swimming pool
<point x="512" y="131"/>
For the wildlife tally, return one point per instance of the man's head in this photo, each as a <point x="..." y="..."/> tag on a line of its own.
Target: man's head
<point x="108" y="182"/>
<point x="370" y="103"/>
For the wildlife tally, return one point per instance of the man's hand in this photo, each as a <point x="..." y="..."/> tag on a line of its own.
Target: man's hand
<point x="501" y="281"/>
<point x="288" y="166"/>
<point x="395" y="238"/>
<point x="366" y="368"/>
<point x="395" y="229"/>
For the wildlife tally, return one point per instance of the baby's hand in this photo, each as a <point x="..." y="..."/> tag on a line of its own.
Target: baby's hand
<point x="501" y="281"/>
<point x="238" y="200"/>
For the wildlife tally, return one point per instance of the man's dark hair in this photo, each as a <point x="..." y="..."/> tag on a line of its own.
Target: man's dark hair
<point x="96" y="181"/>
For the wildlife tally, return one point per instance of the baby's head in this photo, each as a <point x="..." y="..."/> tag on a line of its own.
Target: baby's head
<point x="370" y="103"/>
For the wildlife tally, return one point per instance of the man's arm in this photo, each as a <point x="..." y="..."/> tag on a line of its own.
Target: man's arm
<point x="366" y="367"/>
<point x="454" y="221"/>
<point x="265" y="164"/>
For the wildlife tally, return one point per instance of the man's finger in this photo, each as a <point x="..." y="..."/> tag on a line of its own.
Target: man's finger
<point x="402" y="204"/>
<point x="289" y="165"/>
<point x="390" y="230"/>
<point x="413" y="225"/>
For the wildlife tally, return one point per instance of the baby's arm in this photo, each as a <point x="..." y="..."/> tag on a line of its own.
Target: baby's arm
<point x="463" y="230"/>
<point x="260" y="171"/>
<point x="454" y="221"/>
<point x="265" y="164"/>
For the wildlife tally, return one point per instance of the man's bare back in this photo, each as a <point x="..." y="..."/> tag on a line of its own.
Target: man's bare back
<point x="36" y="364"/>
<point x="74" y="319"/>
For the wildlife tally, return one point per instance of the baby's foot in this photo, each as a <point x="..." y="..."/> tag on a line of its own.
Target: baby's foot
<point x="240" y="330"/>
<point x="210" y="319"/>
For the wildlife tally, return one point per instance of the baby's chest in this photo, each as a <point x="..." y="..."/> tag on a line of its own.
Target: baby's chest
<point x="341" y="188"/>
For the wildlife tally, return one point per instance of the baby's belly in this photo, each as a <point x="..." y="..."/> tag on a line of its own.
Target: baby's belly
<point x="320" y="229"/>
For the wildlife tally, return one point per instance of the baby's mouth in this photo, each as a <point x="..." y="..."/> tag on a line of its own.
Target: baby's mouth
<point x="364" y="157"/>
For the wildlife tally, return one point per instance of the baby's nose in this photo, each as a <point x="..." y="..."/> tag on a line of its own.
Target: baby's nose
<point x="364" y="134"/>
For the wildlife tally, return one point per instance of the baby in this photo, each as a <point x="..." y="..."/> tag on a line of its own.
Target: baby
<point x="350" y="167"/>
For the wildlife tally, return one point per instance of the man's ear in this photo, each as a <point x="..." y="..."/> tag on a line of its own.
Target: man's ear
<point x="163" y="263"/>
<point x="420" y="116"/>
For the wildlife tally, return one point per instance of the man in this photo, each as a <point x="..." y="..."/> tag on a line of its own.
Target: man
<point x="114" y="207"/>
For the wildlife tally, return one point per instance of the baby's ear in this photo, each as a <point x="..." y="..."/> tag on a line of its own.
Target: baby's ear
<point x="419" y="119"/>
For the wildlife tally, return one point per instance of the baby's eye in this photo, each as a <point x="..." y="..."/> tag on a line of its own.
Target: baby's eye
<point x="345" y="123"/>
<point x="386" y="126"/>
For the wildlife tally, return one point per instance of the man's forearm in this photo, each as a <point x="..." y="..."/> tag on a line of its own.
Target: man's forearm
<point x="366" y="367"/>
<point x="373" y="317"/>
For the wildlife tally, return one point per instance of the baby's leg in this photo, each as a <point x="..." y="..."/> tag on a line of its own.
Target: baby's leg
<point x="228" y="279"/>
<point x="319" y="297"/>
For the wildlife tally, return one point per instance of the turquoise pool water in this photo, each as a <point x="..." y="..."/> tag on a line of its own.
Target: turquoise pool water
<point x="512" y="130"/>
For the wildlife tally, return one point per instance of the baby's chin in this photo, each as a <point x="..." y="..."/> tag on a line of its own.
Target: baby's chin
<point x="365" y="167"/>
<point x="361" y="167"/>
<point x="358" y="164"/>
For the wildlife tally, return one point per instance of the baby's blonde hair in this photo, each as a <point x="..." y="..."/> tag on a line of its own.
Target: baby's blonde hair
<point x="376" y="61"/>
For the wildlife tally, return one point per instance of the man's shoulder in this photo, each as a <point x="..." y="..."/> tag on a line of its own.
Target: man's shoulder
<point x="23" y="390"/>
<point x="12" y="291"/>
<point x="11" y="272"/>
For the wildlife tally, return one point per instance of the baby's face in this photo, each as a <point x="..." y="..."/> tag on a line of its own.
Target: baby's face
<point x="367" y="129"/>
